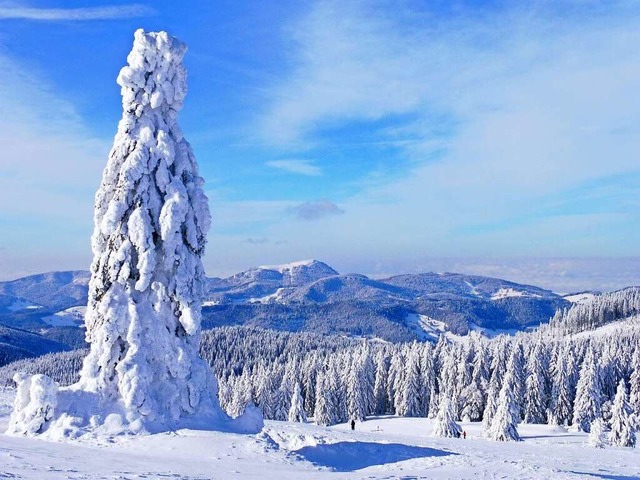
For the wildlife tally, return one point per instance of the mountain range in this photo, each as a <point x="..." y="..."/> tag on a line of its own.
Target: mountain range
<point x="307" y="296"/>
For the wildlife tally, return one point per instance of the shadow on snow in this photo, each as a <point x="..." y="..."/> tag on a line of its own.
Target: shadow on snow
<point x="350" y="456"/>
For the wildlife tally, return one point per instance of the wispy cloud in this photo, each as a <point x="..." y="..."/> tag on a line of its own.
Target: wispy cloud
<point x="505" y="109"/>
<point x="109" y="12"/>
<point x="316" y="210"/>
<point x="300" y="167"/>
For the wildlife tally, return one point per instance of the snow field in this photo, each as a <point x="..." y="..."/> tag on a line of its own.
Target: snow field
<point x="380" y="447"/>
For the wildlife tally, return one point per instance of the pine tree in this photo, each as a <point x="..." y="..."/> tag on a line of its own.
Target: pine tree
<point x="446" y="425"/>
<point x="634" y="383"/>
<point x="622" y="431"/>
<point x="536" y="399"/>
<point x="380" y="388"/>
<point x="504" y="424"/>
<point x="409" y="405"/>
<point x="324" y="413"/>
<point x="597" y="435"/>
<point x="588" y="403"/>
<point x="296" y="412"/>
<point x="561" y="406"/>
<point x="356" y="402"/>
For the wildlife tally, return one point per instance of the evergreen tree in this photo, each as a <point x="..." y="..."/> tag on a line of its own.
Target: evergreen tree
<point x="380" y="387"/>
<point x="296" y="412"/>
<point x="324" y="413"/>
<point x="634" y="383"/>
<point x="622" y="430"/>
<point x="446" y="425"/>
<point x="597" y="434"/>
<point x="504" y="424"/>
<point x="409" y="404"/>
<point x="561" y="405"/>
<point x="151" y="220"/>
<point x="588" y="404"/>
<point x="536" y="400"/>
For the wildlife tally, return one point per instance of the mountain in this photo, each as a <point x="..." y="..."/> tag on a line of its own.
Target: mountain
<point x="16" y="344"/>
<point x="309" y="296"/>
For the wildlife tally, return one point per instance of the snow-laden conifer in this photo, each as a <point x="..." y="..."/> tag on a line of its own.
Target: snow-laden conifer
<point x="296" y="412"/>
<point x="446" y="425"/>
<point x="622" y="429"/>
<point x="588" y="403"/>
<point x="597" y="435"/>
<point x="150" y="223"/>
<point x="536" y="397"/>
<point x="504" y="424"/>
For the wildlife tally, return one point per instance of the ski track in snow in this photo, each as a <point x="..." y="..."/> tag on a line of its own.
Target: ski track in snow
<point x="380" y="448"/>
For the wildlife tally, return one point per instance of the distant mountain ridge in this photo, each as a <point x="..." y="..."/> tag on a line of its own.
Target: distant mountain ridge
<point x="311" y="296"/>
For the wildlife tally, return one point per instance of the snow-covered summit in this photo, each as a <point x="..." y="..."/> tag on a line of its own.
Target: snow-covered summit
<point x="287" y="267"/>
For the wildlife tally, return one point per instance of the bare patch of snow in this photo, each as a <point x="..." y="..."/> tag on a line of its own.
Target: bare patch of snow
<point x="71" y="317"/>
<point x="426" y="327"/>
<point x="580" y="298"/>
<point x="511" y="292"/>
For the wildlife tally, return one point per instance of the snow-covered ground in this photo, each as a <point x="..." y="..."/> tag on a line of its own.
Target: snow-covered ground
<point x="71" y="317"/>
<point x="383" y="447"/>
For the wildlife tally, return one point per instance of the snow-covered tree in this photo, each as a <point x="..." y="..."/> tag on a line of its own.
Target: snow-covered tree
<point x="597" y="435"/>
<point x="536" y="398"/>
<point x="446" y="425"/>
<point x="409" y="398"/>
<point x="634" y="383"/>
<point x="147" y="280"/>
<point x="561" y="405"/>
<point x="504" y="424"/>
<point x="325" y="411"/>
<point x="588" y="403"/>
<point x="622" y="430"/>
<point x="296" y="412"/>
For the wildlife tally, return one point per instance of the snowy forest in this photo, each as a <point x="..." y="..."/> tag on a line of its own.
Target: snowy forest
<point x="589" y="381"/>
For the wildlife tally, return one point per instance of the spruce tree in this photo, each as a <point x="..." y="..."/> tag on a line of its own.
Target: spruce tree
<point x="504" y="424"/>
<point x="536" y="399"/>
<point x="296" y="412"/>
<point x="622" y="430"/>
<point x="446" y="425"/>
<point x="588" y="403"/>
<point x="597" y="434"/>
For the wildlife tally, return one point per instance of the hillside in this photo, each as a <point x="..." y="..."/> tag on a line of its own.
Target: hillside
<point x="310" y="296"/>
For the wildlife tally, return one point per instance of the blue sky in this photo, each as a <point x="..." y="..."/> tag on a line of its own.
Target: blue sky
<point x="379" y="136"/>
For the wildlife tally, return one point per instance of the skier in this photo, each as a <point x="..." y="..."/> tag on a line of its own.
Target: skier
<point x="353" y="424"/>
<point x="464" y="435"/>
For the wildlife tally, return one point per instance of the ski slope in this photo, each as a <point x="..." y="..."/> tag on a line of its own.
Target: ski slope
<point x="382" y="447"/>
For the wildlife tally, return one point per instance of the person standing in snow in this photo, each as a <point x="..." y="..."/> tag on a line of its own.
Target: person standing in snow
<point x="353" y="424"/>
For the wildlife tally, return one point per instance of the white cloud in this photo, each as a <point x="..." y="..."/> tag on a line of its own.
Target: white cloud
<point x="75" y="14"/>
<point x="300" y="167"/>
<point x="510" y="114"/>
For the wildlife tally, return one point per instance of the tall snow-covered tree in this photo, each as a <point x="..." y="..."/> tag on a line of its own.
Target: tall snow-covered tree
<point x="151" y="220"/>
<point x="504" y="424"/>
<point x="380" y="394"/>
<point x="536" y="397"/>
<point x="560" y="404"/>
<point x="622" y="429"/>
<point x="588" y="403"/>
<point x="446" y="425"/>
<point x="325" y="411"/>
<point x="409" y="398"/>
<point x="296" y="412"/>
<point x="147" y="280"/>
<point x="634" y="383"/>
